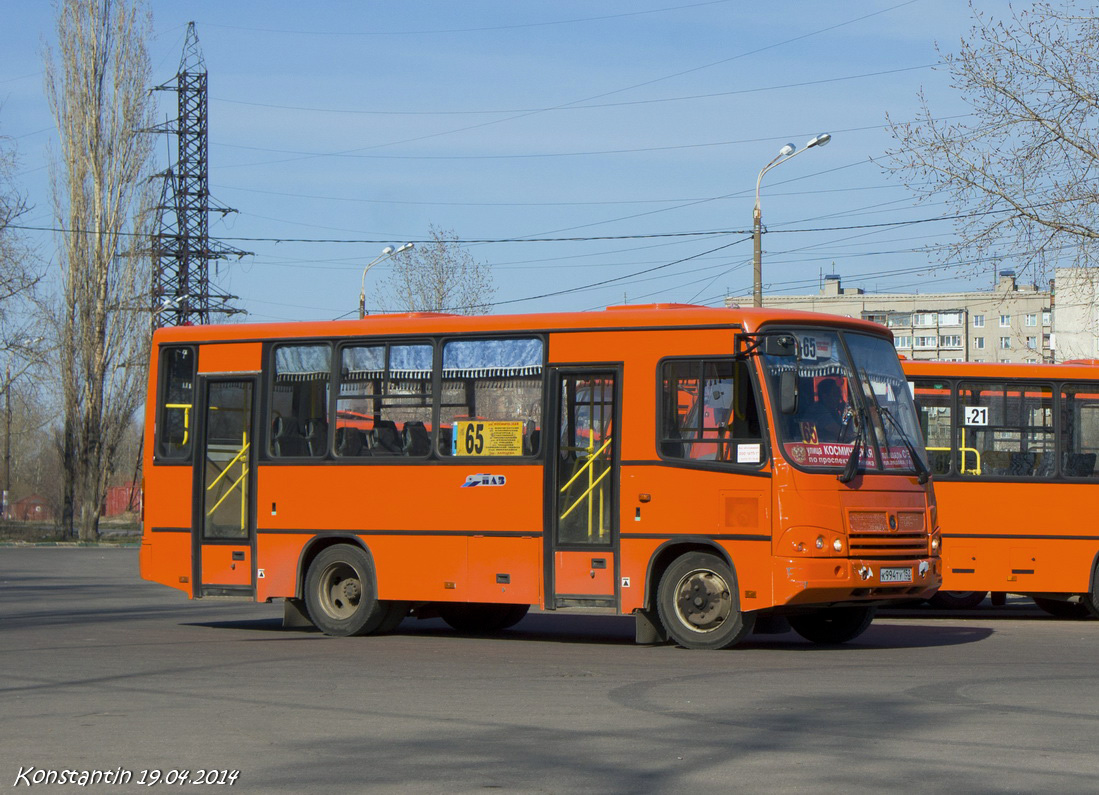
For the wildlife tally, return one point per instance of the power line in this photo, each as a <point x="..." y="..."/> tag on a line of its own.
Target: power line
<point x="578" y="239"/>
<point x="359" y="200"/>
<point x="594" y="97"/>
<point x="483" y="29"/>
<point x="461" y="241"/>
<point x="686" y="98"/>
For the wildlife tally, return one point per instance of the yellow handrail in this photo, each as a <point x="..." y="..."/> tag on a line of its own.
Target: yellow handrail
<point x="236" y="458"/>
<point x="593" y="481"/>
<point x="963" y="450"/>
<point x="228" y="491"/>
<point x="591" y="460"/>
<point x="242" y="481"/>
<point x="587" y="491"/>
<point x="186" y="418"/>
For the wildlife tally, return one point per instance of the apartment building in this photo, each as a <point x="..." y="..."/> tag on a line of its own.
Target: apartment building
<point x="1011" y="323"/>
<point x="1076" y="319"/>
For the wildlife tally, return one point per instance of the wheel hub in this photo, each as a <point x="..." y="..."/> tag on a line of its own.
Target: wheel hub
<point x="352" y="590"/>
<point x="343" y="591"/>
<point x="704" y="601"/>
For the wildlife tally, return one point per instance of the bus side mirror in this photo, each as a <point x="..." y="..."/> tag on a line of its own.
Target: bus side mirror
<point x="780" y="345"/>
<point x="788" y="392"/>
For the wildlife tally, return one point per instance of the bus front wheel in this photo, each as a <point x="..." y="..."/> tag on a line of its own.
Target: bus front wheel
<point x="698" y="603"/>
<point x="1091" y="600"/>
<point x="833" y="624"/>
<point x="957" y="600"/>
<point x="1059" y="608"/>
<point x="341" y="593"/>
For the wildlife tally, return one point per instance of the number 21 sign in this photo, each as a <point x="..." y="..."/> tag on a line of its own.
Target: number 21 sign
<point x="976" y="415"/>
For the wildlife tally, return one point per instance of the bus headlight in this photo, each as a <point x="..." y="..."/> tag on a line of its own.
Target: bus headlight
<point x="838" y="545"/>
<point x="820" y="542"/>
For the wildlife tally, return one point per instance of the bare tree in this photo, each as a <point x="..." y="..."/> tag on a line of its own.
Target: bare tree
<point x="18" y="267"/>
<point x="1022" y="167"/>
<point x="97" y="83"/>
<point x="438" y="276"/>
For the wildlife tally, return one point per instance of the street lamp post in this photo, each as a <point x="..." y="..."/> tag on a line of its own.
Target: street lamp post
<point x="387" y="252"/>
<point x="784" y="154"/>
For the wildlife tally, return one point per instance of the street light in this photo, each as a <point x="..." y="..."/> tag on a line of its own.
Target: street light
<point x="387" y="252"/>
<point x="784" y="154"/>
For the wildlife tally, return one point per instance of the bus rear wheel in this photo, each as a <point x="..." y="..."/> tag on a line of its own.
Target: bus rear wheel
<point x="480" y="617"/>
<point x="341" y="593"/>
<point x="698" y="604"/>
<point x="833" y="624"/>
<point x="1059" y="608"/>
<point x="1090" y="600"/>
<point x="957" y="600"/>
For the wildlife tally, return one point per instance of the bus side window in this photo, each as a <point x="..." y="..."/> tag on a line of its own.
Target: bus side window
<point x="709" y="412"/>
<point x="491" y="388"/>
<point x="933" y="403"/>
<point x="1079" y="430"/>
<point x="299" y="401"/>
<point x="176" y="428"/>
<point x="384" y="400"/>
<point x="1005" y="429"/>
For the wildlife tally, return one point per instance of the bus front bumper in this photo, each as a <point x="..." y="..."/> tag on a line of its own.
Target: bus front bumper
<point x="824" y="581"/>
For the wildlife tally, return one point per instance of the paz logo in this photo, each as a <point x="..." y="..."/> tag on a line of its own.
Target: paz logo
<point x="484" y="480"/>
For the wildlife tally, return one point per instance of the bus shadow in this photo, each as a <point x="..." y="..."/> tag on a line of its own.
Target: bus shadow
<point x="619" y="631"/>
<point x="251" y="625"/>
<point x="880" y="636"/>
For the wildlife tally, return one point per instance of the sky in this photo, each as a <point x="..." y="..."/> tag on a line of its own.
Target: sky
<point x="591" y="153"/>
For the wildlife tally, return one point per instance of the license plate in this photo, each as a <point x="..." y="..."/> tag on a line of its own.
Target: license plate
<point x="896" y="575"/>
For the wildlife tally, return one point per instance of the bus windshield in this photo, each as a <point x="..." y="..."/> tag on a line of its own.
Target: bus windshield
<point x="851" y="394"/>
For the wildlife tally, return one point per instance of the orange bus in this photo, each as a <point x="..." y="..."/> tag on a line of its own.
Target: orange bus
<point x="1013" y="448"/>
<point x="667" y="462"/>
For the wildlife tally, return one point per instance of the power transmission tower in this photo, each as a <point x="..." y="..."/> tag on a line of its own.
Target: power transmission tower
<point x="181" y="246"/>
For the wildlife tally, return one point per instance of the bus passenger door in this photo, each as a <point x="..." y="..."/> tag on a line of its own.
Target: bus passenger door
<point x="582" y="489"/>
<point x="223" y="535"/>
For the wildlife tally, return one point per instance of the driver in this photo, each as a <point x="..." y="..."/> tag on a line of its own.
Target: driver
<point x="829" y="411"/>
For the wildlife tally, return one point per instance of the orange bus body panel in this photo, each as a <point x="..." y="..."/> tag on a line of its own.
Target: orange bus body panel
<point x="432" y="538"/>
<point x="239" y="358"/>
<point x="1010" y="535"/>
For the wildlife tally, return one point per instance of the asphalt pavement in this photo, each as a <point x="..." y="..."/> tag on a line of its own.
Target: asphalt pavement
<point x="104" y="674"/>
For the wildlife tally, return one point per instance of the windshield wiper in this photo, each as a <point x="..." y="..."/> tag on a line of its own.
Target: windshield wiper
<point x="862" y="424"/>
<point x="922" y="472"/>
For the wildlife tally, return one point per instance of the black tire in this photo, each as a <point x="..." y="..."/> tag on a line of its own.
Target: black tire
<point x="833" y="624"/>
<point x="1090" y="600"/>
<point x="481" y="617"/>
<point x="957" y="600"/>
<point x="1061" y="609"/>
<point x="395" y="614"/>
<point x="341" y="592"/>
<point x="698" y="603"/>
